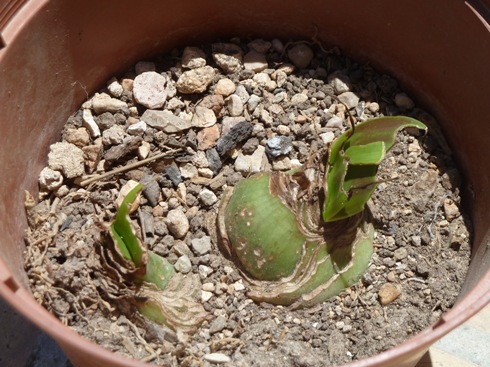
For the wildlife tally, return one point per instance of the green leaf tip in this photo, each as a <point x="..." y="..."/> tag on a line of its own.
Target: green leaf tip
<point x="122" y="230"/>
<point x="353" y="163"/>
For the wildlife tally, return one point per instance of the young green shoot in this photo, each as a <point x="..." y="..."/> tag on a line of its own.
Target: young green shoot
<point x="163" y="295"/>
<point x="353" y="163"/>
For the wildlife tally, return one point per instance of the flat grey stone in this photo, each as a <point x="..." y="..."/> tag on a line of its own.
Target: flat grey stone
<point x="151" y="190"/>
<point x="173" y="174"/>
<point x="253" y="102"/>
<point x="102" y="102"/>
<point x="349" y="99"/>
<point x="116" y="152"/>
<point x="214" y="160"/>
<point x="207" y="197"/>
<point x="251" y="163"/>
<point x="114" y="135"/>
<point x="183" y="264"/>
<point x="165" y="121"/>
<point x="217" y="325"/>
<point x="201" y="245"/>
<point x="203" y="117"/>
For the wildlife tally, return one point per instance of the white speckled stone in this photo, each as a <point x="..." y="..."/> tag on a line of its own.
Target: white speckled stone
<point x="67" y="158"/>
<point x="149" y="89"/>
<point x="177" y="222"/>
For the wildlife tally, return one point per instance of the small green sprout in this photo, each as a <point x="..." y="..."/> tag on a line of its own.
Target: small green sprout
<point x="291" y="248"/>
<point x="353" y="163"/>
<point x="156" y="269"/>
<point x="162" y="295"/>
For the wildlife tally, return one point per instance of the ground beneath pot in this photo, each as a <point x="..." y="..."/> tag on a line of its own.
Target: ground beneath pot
<point x="237" y="107"/>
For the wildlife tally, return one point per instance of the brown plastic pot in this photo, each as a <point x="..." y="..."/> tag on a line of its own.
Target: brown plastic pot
<point x="55" y="53"/>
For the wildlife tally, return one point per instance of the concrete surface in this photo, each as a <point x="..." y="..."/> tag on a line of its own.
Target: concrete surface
<point x="16" y="337"/>
<point x="467" y="346"/>
<point x="23" y="345"/>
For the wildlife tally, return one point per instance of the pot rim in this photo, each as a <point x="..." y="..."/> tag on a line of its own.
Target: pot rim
<point x="21" y="299"/>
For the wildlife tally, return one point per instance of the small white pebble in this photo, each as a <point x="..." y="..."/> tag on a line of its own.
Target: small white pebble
<point x="204" y="271"/>
<point x="208" y="287"/>
<point x="238" y="286"/>
<point x="207" y="197"/>
<point x="137" y="129"/>
<point x="206" y="296"/>
<point x="217" y="358"/>
<point x="373" y="107"/>
<point x="89" y="123"/>
<point x="115" y="88"/>
<point x="183" y="264"/>
<point x="327" y="137"/>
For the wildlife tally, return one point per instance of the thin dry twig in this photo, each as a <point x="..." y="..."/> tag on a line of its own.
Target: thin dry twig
<point x="147" y="347"/>
<point x="314" y="41"/>
<point x="50" y="236"/>
<point x="128" y="167"/>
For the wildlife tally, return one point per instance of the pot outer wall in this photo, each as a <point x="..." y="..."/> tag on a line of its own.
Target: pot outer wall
<point x="54" y="54"/>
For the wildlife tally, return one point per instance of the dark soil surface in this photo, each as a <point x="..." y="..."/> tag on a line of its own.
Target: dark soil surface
<point x="422" y="241"/>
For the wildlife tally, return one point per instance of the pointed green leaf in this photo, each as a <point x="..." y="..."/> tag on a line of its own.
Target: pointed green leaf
<point x="353" y="163"/>
<point x="382" y="129"/>
<point x="123" y="231"/>
<point x="372" y="153"/>
<point x="120" y="243"/>
<point x="359" y="183"/>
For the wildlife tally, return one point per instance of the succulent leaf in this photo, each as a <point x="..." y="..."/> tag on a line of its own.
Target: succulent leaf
<point x="123" y="232"/>
<point x="353" y="164"/>
<point x="372" y="153"/>
<point x="158" y="270"/>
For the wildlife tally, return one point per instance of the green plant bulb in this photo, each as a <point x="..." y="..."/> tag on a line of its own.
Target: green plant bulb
<point x="286" y="254"/>
<point x="293" y="249"/>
